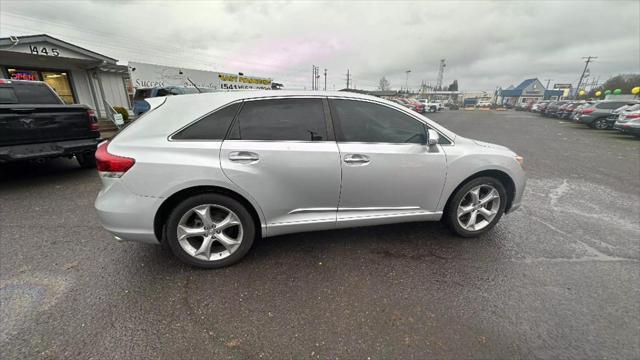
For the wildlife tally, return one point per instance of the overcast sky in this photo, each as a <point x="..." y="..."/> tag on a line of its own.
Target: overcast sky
<point x="485" y="44"/>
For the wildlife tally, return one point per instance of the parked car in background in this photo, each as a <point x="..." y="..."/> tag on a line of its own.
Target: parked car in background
<point x="484" y="103"/>
<point x="629" y="121"/>
<point x="35" y="124"/>
<point x="537" y="107"/>
<point x="208" y="174"/>
<point x="575" y="114"/>
<point x="416" y="106"/>
<point x="616" y="113"/>
<point x="596" y="115"/>
<point x="552" y="108"/>
<point x="567" y="109"/>
<point x="140" y="106"/>
<point x="431" y="106"/>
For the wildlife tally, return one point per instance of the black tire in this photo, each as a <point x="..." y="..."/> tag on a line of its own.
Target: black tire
<point x="600" y="124"/>
<point x="248" y="225"/>
<point x="450" y="216"/>
<point x="87" y="159"/>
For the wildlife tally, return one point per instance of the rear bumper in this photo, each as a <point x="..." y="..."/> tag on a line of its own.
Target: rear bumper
<point x="633" y="130"/>
<point x="46" y="150"/>
<point x="125" y="215"/>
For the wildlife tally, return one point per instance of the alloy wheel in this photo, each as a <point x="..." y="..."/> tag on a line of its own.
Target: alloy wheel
<point x="210" y="232"/>
<point x="478" y="207"/>
<point x="601" y="124"/>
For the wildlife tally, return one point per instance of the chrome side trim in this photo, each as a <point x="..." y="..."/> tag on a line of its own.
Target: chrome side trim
<point x="311" y="210"/>
<point x="391" y="208"/>
<point x="382" y="208"/>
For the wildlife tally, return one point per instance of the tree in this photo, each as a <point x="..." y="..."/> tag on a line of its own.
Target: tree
<point x="453" y="86"/>
<point x="384" y="84"/>
<point x="624" y="82"/>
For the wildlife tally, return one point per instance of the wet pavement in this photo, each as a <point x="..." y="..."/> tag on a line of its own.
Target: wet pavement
<point x="559" y="278"/>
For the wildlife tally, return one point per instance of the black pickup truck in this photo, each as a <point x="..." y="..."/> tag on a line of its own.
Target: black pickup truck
<point x="36" y="124"/>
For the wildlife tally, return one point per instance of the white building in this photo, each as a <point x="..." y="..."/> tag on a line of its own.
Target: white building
<point x="78" y="75"/>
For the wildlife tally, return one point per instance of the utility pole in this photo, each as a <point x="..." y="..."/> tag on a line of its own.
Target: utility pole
<point x="548" y="81"/>
<point x="315" y="77"/>
<point x="325" y="79"/>
<point x="406" y="81"/>
<point x="348" y="78"/>
<point x="440" y="74"/>
<point x="588" y="59"/>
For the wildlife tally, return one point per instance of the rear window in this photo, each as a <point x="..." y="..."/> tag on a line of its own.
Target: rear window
<point x="8" y="96"/>
<point x="212" y="127"/>
<point x="29" y="93"/>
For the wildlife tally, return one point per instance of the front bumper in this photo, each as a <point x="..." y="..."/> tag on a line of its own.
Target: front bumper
<point x="125" y="215"/>
<point x="47" y="150"/>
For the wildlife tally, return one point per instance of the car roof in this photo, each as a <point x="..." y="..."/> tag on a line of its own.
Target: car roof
<point x="176" y="111"/>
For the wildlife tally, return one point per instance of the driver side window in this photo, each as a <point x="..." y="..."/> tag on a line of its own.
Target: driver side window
<point x="360" y="121"/>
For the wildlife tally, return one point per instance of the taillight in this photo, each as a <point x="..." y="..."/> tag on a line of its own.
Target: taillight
<point x="587" y="111"/>
<point x="632" y="116"/>
<point x="112" y="165"/>
<point x="93" y="120"/>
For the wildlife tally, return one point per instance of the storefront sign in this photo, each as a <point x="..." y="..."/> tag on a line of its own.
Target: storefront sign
<point x="151" y="75"/>
<point x="47" y="49"/>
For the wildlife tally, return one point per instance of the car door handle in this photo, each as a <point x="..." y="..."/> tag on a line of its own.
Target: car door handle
<point x="356" y="159"/>
<point x="243" y="156"/>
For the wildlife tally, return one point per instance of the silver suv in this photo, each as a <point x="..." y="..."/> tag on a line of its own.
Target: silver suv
<point x="207" y="174"/>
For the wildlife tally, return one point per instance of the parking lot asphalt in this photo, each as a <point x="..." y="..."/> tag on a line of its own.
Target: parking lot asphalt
<point x="559" y="278"/>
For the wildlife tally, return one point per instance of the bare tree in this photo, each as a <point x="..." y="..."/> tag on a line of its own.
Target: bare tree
<point x="384" y="84"/>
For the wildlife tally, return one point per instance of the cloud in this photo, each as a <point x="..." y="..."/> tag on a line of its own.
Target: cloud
<point x="486" y="44"/>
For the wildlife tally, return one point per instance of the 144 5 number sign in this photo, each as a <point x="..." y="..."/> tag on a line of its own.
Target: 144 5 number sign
<point x="44" y="50"/>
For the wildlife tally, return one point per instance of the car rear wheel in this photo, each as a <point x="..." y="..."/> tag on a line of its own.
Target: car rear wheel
<point x="600" y="124"/>
<point x="476" y="207"/>
<point x="210" y="231"/>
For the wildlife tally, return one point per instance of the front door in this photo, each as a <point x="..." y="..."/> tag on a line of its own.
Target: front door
<point x="279" y="151"/>
<point x="388" y="173"/>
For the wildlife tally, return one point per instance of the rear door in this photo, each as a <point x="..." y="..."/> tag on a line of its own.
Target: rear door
<point x="282" y="153"/>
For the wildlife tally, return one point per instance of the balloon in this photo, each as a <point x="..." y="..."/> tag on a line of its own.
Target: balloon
<point x="617" y="91"/>
<point x="607" y="92"/>
<point x="581" y="93"/>
<point x="635" y="90"/>
<point x="598" y="93"/>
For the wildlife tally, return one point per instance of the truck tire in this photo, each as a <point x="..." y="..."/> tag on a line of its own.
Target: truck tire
<point x="87" y="160"/>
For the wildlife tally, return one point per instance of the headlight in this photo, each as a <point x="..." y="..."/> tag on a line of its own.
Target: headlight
<point x="520" y="160"/>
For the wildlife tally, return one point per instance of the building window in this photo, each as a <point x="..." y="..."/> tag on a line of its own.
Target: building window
<point x="58" y="80"/>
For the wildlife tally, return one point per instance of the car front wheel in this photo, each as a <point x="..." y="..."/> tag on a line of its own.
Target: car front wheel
<point x="210" y="231"/>
<point x="476" y="207"/>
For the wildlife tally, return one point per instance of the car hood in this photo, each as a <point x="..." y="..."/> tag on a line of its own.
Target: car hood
<point x="490" y="145"/>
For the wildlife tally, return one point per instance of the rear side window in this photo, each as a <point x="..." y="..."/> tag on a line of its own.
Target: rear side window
<point x="361" y="121"/>
<point x="35" y="93"/>
<point x="212" y="127"/>
<point x="281" y="119"/>
<point x="8" y="96"/>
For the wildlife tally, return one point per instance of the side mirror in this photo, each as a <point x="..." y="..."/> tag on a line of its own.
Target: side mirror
<point x="433" y="138"/>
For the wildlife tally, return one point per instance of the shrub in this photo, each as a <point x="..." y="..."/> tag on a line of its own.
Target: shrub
<point x="123" y="112"/>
